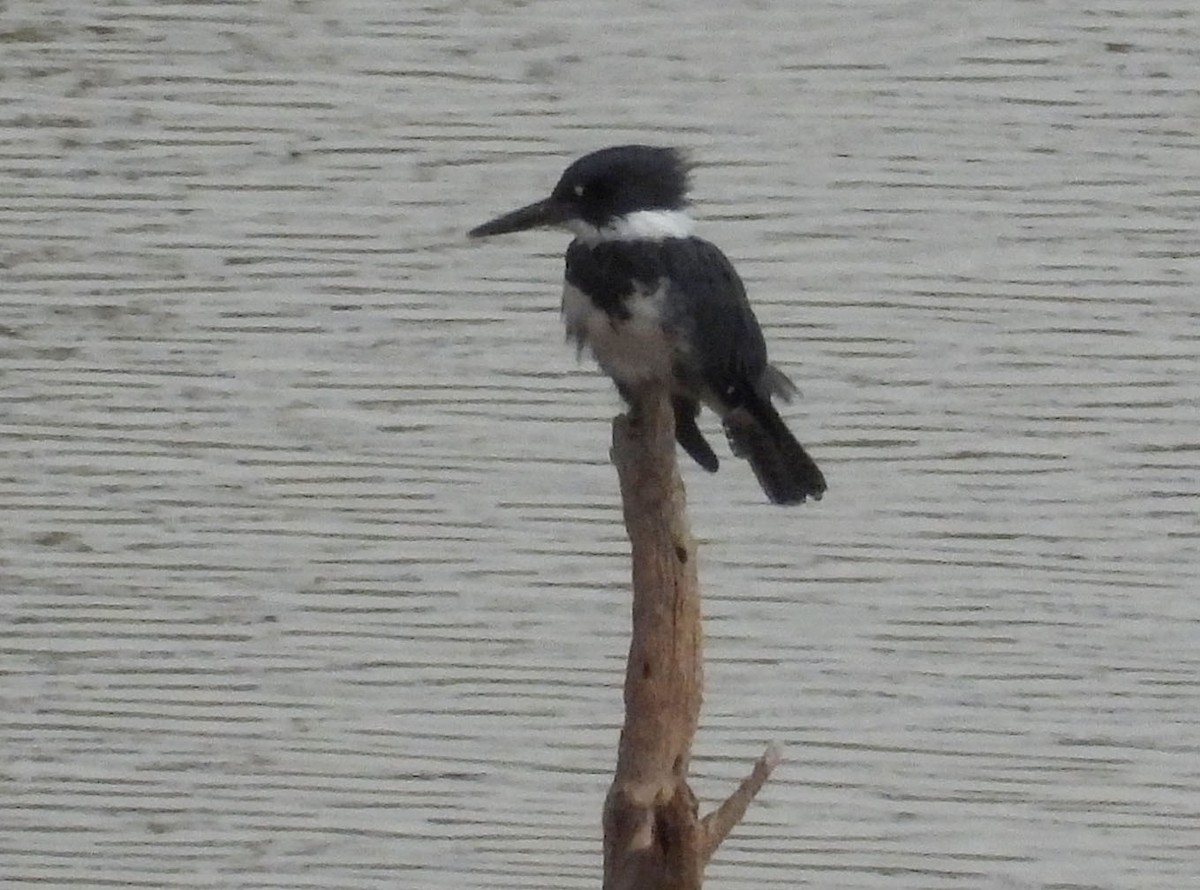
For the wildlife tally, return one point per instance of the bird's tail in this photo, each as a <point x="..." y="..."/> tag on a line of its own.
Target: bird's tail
<point x="783" y="468"/>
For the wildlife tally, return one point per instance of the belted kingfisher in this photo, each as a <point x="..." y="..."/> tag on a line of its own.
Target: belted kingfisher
<point x="656" y="303"/>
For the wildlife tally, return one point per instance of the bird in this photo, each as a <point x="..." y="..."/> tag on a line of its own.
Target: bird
<point x="655" y="304"/>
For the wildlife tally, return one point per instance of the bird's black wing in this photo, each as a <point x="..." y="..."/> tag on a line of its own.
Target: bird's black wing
<point x="707" y="304"/>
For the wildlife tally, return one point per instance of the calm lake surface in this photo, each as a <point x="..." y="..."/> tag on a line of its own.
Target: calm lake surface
<point x="311" y="567"/>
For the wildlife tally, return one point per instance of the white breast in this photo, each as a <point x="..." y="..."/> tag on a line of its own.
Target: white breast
<point x="629" y="350"/>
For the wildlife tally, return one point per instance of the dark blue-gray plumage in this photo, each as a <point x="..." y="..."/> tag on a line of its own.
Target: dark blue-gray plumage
<point x="655" y="303"/>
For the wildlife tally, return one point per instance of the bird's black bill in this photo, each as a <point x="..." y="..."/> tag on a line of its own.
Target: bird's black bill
<point x="542" y="213"/>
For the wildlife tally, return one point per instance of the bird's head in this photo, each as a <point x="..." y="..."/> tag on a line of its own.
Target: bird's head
<point x="624" y="192"/>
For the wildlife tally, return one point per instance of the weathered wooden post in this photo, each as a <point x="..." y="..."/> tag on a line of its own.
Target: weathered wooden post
<point x="654" y="838"/>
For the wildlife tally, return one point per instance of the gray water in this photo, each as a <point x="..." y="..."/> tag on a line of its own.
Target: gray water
<point x="311" y="563"/>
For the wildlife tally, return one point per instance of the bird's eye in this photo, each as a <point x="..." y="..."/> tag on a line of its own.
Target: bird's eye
<point x="579" y="190"/>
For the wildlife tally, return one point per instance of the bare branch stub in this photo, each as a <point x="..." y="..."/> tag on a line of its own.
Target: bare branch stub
<point x="717" y="824"/>
<point x="653" y="836"/>
<point x="652" y="832"/>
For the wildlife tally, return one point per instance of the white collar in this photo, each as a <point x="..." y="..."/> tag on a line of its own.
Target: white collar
<point x="641" y="225"/>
